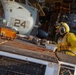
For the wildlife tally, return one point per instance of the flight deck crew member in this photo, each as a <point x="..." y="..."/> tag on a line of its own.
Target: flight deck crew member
<point x="67" y="41"/>
<point x="57" y="34"/>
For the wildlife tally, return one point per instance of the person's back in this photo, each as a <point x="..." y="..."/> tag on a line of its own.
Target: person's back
<point x="71" y="42"/>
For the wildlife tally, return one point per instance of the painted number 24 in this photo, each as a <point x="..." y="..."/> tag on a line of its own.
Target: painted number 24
<point x="18" y="23"/>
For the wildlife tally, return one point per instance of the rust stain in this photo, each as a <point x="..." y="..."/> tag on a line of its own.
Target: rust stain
<point x="28" y="46"/>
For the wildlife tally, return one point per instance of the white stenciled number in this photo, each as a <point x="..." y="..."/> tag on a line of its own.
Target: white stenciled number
<point x="18" y="23"/>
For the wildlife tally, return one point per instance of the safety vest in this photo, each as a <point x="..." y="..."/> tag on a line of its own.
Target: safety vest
<point x="63" y="44"/>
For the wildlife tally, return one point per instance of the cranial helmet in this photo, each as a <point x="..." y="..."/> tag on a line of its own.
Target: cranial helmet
<point x="57" y="25"/>
<point x="64" y="28"/>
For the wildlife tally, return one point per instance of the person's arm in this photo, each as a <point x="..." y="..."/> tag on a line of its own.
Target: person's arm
<point x="72" y="39"/>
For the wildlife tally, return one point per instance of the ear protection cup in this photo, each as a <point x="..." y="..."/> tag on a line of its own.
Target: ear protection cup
<point x="62" y="30"/>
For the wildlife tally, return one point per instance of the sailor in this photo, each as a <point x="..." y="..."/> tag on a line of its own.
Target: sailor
<point x="67" y="41"/>
<point x="57" y="34"/>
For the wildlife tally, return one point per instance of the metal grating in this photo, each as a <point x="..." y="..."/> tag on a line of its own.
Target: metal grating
<point x="10" y="66"/>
